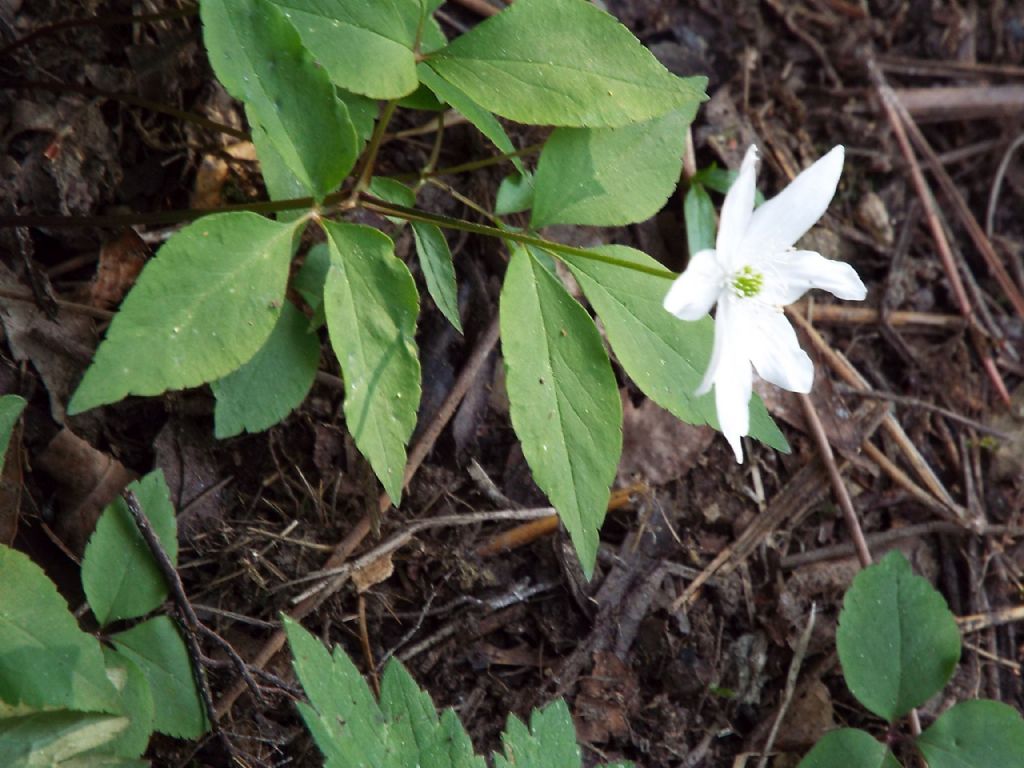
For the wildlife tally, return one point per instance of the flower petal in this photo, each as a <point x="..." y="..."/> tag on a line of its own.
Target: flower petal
<point x="723" y="336"/>
<point x="775" y="352"/>
<point x="790" y="274"/>
<point x="737" y="209"/>
<point x="729" y="372"/>
<point x="784" y="219"/>
<point x="695" y="291"/>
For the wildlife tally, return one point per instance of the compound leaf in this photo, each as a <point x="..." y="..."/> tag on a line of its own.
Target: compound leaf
<point x="136" y="704"/>
<point x="260" y="59"/>
<point x="371" y="303"/>
<point x="522" y="65"/>
<point x="56" y="739"/>
<point x="975" y="734"/>
<point x="200" y="309"/>
<point x="610" y="176"/>
<point x="45" y="659"/>
<point x="849" y="748"/>
<point x="120" y="578"/>
<point x="438" y="269"/>
<point x="273" y="383"/>
<point x="663" y="355"/>
<point x="898" y="642"/>
<point x="563" y="397"/>
<point x="549" y="741"/>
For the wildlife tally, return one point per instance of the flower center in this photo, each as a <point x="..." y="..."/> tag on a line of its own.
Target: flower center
<point x="747" y="282"/>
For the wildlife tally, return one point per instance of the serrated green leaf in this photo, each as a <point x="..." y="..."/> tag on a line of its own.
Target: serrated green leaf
<point x="975" y="734"/>
<point x="259" y="58"/>
<point x="120" y="577"/>
<point x="136" y="704"/>
<point x="438" y="270"/>
<point x="701" y="223"/>
<point x="371" y="304"/>
<point x="610" y="176"/>
<point x="550" y="740"/>
<point x="898" y="642"/>
<point x="200" y="309"/>
<point x="11" y="407"/>
<point x="849" y="748"/>
<point x="663" y="355"/>
<point x="522" y="64"/>
<point x="515" y="194"/>
<point x="53" y="739"/>
<point x="273" y="383"/>
<point x="563" y="398"/>
<point x="45" y="659"/>
<point x="344" y="36"/>
<point x="484" y="121"/>
<point x="159" y="651"/>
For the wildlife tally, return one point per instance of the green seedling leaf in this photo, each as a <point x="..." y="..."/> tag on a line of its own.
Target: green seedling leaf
<point x="55" y="739"/>
<point x="136" y="704"/>
<point x="271" y="385"/>
<point x="45" y="659"/>
<point x="260" y="59"/>
<point x="11" y="407"/>
<point x="701" y="222"/>
<point x="975" y="734"/>
<point x="663" y="355"/>
<point x="371" y="304"/>
<point x="610" y="176"/>
<point x="438" y="269"/>
<point x="849" y="748"/>
<point x="200" y="309"/>
<point x="484" y="121"/>
<point x="120" y="577"/>
<point x="345" y="36"/>
<point x="515" y="194"/>
<point x="158" y="650"/>
<point x="898" y="642"/>
<point x="549" y="741"/>
<point x="522" y="65"/>
<point x="309" y="282"/>
<point x="563" y="398"/>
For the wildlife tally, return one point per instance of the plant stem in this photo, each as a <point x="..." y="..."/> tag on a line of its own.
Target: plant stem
<point x="370" y="158"/>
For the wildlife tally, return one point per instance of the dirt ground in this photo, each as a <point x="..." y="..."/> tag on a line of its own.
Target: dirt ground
<point x="677" y="652"/>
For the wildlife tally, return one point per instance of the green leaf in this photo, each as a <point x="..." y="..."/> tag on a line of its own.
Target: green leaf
<point x="550" y="740"/>
<point x="362" y="111"/>
<point x="45" y="659"/>
<point x="393" y="192"/>
<point x="52" y="739"/>
<point x="975" y="734"/>
<point x="522" y="64"/>
<point x="563" y="398"/>
<point x="700" y="219"/>
<point x="159" y="651"/>
<point x="273" y="383"/>
<point x="136" y="704"/>
<point x="849" y="748"/>
<point x="366" y="48"/>
<point x="309" y="282"/>
<point x="260" y="59"/>
<point x="898" y="642"/>
<point x="278" y="178"/>
<point x="484" y="121"/>
<point x="371" y="304"/>
<point x="203" y="307"/>
<point x="665" y="356"/>
<point x="11" y="407"/>
<point x="438" y="269"/>
<point x="120" y="577"/>
<point x="515" y="194"/>
<point x="610" y="176"/>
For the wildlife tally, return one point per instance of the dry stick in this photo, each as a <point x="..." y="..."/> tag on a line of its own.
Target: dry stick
<point x="839" y="313"/>
<point x="997" y="184"/>
<point x="346" y="546"/>
<point x="914" y="402"/>
<point x="70" y="306"/>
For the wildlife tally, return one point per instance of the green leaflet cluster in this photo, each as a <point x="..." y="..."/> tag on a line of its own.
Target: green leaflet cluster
<point x="354" y="730"/>
<point x="65" y="698"/>
<point x="213" y="306"/>
<point x="898" y="645"/>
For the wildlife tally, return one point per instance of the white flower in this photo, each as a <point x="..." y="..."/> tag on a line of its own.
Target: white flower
<point x="752" y="273"/>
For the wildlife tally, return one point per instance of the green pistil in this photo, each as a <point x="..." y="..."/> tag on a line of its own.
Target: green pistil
<point x="747" y="282"/>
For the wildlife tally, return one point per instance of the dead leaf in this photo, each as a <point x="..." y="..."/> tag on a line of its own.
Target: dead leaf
<point x="373" y="573"/>
<point x="657" y="446"/>
<point x="120" y="262"/>
<point x="810" y="715"/>
<point x="607" y="697"/>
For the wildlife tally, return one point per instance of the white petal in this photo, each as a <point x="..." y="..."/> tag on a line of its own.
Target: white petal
<point x="732" y="396"/>
<point x="790" y="274"/>
<point x="695" y="291"/>
<point x="737" y="209"/>
<point x="783" y="220"/>
<point x="776" y="353"/>
<point x="723" y="336"/>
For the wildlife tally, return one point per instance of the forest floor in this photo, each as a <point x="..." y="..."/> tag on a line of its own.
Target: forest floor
<point x="677" y="652"/>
